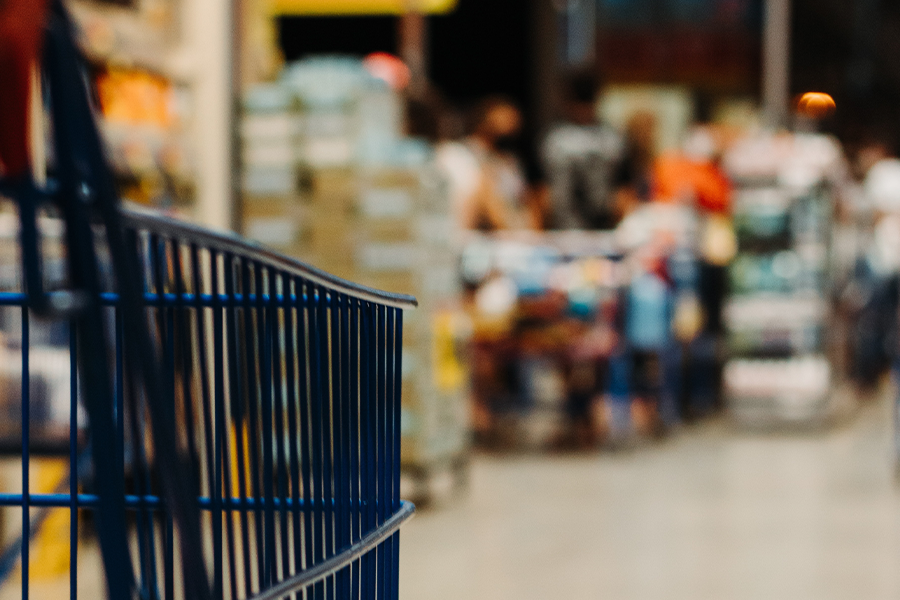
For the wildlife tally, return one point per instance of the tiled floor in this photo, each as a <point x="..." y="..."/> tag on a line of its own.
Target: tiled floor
<point x="709" y="514"/>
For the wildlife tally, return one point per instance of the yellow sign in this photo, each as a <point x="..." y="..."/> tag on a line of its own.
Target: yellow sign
<point x="449" y="372"/>
<point x="50" y="549"/>
<point x="360" y="7"/>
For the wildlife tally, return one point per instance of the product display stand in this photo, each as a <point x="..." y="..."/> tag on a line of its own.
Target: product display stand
<point x="777" y="319"/>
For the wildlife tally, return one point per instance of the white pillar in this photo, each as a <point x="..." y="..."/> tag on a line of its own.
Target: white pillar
<point x="208" y="42"/>
<point x="776" y="63"/>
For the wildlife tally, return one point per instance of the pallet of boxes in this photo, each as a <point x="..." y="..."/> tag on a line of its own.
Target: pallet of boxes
<point x="271" y="207"/>
<point x="367" y="206"/>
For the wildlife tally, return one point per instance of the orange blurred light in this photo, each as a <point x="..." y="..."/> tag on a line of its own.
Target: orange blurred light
<point x="816" y="105"/>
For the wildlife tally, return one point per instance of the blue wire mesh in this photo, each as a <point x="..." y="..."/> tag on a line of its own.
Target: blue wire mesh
<point x="284" y="384"/>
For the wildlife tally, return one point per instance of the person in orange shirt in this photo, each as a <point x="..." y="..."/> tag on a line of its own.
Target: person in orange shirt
<point x="693" y="175"/>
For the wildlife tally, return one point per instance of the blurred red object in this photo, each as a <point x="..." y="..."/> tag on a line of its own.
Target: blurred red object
<point x="388" y="68"/>
<point x="20" y="41"/>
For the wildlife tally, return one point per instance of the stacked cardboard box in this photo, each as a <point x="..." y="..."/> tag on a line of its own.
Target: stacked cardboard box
<point x="404" y="244"/>
<point x="389" y="228"/>
<point x="272" y="212"/>
<point x="330" y="180"/>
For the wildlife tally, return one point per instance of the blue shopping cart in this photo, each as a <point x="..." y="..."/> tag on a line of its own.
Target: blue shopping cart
<point x="241" y="411"/>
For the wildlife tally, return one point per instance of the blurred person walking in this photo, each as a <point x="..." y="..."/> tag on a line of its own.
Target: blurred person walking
<point x="678" y="222"/>
<point x="587" y="172"/>
<point x="878" y="332"/>
<point x="488" y="189"/>
<point x="876" y="343"/>
<point x="693" y="177"/>
<point x="586" y="162"/>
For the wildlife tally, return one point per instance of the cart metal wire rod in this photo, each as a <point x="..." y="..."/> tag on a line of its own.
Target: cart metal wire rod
<point x="274" y="397"/>
<point x="241" y="409"/>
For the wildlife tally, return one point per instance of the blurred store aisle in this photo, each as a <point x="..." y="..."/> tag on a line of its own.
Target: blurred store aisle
<point x="713" y="514"/>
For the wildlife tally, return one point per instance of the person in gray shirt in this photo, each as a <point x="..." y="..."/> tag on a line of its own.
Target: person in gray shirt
<point x="586" y="163"/>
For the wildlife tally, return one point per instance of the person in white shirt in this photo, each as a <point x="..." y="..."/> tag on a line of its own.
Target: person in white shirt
<point x="487" y="186"/>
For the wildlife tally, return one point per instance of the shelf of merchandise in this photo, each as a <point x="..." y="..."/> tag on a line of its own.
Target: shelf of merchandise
<point x="329" y="177"/>
<point x="145" y="96"/>
<point x="779" y="369"/>
<point x="544" y="312"/>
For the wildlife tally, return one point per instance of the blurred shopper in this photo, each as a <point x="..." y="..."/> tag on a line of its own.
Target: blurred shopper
<point x="488" y="192"/>
<point x="679" y="231"/>
<point x="585" y="162"/>
<point x="586" y="168"/>
<point x="488" y="189"/>
<point x="643" y="371"/>
<point x="876" y="336"/>
<point x="641" y="391"/>
<point x="693" y="177"/>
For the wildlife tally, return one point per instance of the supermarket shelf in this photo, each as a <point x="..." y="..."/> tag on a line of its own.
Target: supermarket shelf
<point x="774" y="311"/>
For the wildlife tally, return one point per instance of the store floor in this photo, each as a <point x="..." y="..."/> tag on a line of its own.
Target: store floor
<point x="708" y="514"/>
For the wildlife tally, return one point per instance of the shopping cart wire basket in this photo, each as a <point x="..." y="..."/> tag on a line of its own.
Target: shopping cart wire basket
<point x="241" y="410"/>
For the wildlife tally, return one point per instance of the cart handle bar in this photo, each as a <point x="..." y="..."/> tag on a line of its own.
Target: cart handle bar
<point x="140" y="219"/>
<point x="337" y="562"/>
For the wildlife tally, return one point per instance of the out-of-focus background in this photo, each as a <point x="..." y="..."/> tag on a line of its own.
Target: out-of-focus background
<point x="655" y="243"/>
